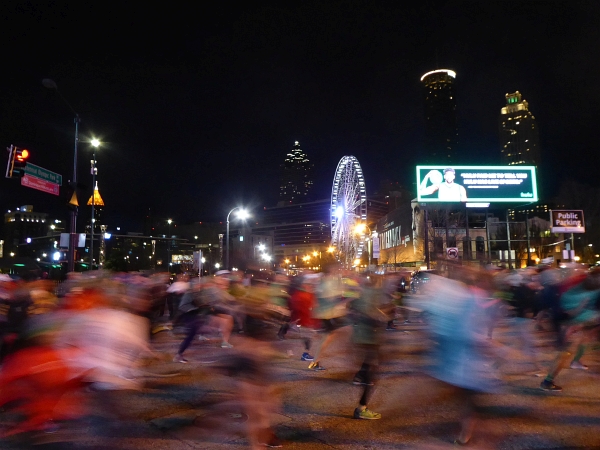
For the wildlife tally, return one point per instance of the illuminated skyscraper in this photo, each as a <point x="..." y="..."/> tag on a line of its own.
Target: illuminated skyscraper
<point x="296" y="178"/>
<point x="519" y="138"/>
<point x="441" y="130"/>
<point x="98" y="208"/>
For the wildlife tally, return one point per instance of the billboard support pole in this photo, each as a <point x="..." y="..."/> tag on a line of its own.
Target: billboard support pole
<point x="487" y="232"/>
<point x="467" y="234"/>
<point x="508" y="240"/>
<point x="427" y="239"/>
<point x="528" y="238"/>
<point x="572" y="247"/>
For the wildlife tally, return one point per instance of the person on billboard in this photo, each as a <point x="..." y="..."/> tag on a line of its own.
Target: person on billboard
<point x="447" y="189"/>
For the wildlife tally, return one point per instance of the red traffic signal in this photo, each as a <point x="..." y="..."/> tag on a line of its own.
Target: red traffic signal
<point x="17" y="160"/>
<point x="22" y="154"/>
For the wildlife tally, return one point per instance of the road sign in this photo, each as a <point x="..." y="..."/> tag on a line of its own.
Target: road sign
<point x="39" y="184"/>
<point x="452" y="252"/>
<point x="567" y="221"/>
<point x="43" y="174"/>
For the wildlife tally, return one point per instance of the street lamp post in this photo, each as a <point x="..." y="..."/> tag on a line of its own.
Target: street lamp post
<point x="242" y="214"/>
<point x="50" y="84"/>
<point x="169" y="247"/>
<point x="95" y="143"/>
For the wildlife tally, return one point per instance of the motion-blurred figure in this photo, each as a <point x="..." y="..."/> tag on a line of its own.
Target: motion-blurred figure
<point x="582" y="318"/>
<point x="370" y="320"/>
<point x="460" y="356"/>
<point x="249" y="367"/>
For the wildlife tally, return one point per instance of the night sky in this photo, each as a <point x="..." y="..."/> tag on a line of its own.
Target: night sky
<point x="197" y="107"/>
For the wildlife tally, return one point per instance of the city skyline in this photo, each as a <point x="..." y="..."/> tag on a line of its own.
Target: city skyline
<point x="193" y="122"/>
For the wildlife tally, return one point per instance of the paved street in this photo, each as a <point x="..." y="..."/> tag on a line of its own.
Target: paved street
<point x="192" y="406"/>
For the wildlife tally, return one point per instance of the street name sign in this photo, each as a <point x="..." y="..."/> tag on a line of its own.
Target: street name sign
<point x="39" y="184"/>
<point x="43" y="174"/>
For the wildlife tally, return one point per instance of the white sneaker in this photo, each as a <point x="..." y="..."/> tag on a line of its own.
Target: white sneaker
<point x="180" y="359"/>
<point x="578" y="365"/>
<point x="226" y="345"/>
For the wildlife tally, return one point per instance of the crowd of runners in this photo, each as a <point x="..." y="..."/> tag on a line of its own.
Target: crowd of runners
<point x="60" y="344"/>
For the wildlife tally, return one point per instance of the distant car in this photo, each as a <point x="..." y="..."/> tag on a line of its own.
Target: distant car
<point x="419" y="278"/>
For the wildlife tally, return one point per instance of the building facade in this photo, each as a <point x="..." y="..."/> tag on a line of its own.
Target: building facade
<point x="295" y="230"/>
<point x="22" y="224"/>
<point x="296" y="177"/>
<point x="441" y="125"/>
<point x="519" y="136"/>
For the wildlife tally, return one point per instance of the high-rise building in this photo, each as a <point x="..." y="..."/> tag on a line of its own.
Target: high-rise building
<point x="296" y="178"/>
<point x="96" y="199"/>
<point x="441" y="129"/>
<point x="21" y="226"/>
<point x="519" y="138"/>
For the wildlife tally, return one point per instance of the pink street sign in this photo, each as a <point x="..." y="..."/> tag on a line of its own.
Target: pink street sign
<point x="39" y="184"/>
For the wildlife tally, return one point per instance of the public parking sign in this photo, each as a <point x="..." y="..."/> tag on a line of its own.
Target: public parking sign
<point x="567" y="221"/>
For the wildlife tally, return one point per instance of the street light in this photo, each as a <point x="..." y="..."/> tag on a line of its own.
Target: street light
<point x="242" y="214"/>
<point x="361" y="229"/>
<point x="95" y="143"/>
<point x="50" y="84"/>
<point x="169" y="221"/>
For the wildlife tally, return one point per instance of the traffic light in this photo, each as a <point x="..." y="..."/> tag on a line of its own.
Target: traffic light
<point x="17" y="160"/>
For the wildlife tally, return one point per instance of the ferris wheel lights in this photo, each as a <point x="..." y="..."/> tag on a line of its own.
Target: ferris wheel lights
<point x="339" y="212"/>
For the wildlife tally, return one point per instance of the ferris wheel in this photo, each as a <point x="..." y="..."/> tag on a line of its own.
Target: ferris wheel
<point x="348" y="209"/>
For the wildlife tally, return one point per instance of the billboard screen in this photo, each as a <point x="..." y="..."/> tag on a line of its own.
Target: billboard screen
<point x="447" y="184"/>
<point x="567" y="221"/>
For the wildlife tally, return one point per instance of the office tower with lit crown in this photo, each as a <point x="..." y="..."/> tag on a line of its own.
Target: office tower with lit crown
<point x="519" y="138"/>
<point x="441" y="129"/>
<point x="296" y="178"/>
<point x="96" y="199"/>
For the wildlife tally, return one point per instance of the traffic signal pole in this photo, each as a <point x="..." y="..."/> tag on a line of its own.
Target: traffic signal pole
<point x="73" y="224"/>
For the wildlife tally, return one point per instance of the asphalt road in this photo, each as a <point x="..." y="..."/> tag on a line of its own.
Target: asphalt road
<point x="194" y="406"/>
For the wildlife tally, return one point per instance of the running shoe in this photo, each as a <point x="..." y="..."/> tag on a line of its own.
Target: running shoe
<point x="360" y="381"/>
<point x="578" y="365"/>
<point x="315" y="366"/>
<point x="180" y="359"/>
<point x="306" y="357"/>
<point x="226" y="345"/>
<point x="366" y="414"/>
<point x="549" y="386"/>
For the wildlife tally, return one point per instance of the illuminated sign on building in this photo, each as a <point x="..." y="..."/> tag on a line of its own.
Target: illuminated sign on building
<point x="481" y="184"/>
<point x="564" y="221"/>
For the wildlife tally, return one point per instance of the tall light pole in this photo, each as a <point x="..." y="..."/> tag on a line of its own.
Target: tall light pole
<point x="242" y="214"/>
<point x="169" y="247"/>
<point x="50" y="84"/>
<point x="95" y="143"/>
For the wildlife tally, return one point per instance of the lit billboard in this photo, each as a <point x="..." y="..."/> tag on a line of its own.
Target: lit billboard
<point x="477" y="184"/>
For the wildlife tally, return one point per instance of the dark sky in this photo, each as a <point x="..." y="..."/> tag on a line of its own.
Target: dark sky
<point x="197" y="106"/>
